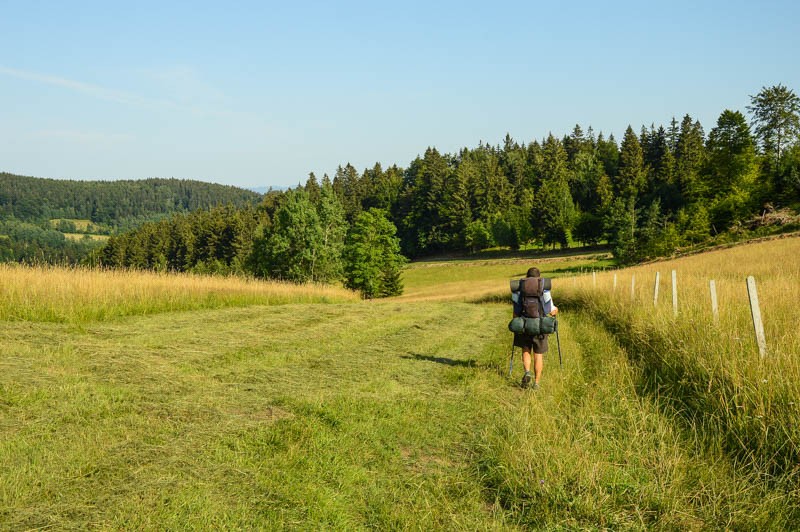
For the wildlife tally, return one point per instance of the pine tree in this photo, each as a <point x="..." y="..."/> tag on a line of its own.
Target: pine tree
<point x="349" y="187"/>
<point x="630" y="180"/>
<point x="776" y="116"/>
<point x="312" y="188"/>
<point x="732" y="160"/>
<point x="608" y="154"/>
<point x="620" y="227"/>
<point x="689" y="159"/>
<point x="553" y="216"/>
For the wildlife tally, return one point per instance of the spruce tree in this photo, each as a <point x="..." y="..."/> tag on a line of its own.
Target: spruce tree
<point x="630" y="180"/>
<point x="689" y="160"/>
<point x="776" y="117"/>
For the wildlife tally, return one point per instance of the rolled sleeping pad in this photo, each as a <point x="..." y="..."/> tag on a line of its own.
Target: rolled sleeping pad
<point x="517" y="325"/>
<point x="532" y="326"/>
<point x="547" y="325"/>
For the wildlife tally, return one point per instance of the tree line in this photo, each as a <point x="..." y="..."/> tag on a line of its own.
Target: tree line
<point x="120" y="205"/>
<point x="300" y="235"/>
<point x="656" y="190"/>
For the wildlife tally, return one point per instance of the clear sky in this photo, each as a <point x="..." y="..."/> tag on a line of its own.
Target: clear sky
<point x="262" y="93"/>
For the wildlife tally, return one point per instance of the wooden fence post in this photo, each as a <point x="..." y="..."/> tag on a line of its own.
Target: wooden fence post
<point x="594" y="279"/>
<point x="615" y="281"/>
<point x="755" y="311"/>
<point x="712" y="286"/>
<point x="674" y="293"/>
<point x="655" y="289"/>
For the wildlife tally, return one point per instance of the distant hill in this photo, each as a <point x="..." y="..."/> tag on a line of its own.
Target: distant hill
<point x="118" y="204"/>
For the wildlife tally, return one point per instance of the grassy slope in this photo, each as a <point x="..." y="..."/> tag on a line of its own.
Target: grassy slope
<point x="393" y="414"/>
<point x="297" y="414"/>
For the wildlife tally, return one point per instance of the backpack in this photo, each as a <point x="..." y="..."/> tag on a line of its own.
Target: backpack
<point x="527" y="297"/>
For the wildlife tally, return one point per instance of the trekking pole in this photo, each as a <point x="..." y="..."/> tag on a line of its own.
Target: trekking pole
<point x="558" y="341"/>
<point x="511" y="365"/>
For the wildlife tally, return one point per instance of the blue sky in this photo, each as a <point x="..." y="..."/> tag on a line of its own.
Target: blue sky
<point x="261" y="93"/>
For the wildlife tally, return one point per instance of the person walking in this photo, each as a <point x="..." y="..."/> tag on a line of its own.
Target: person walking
<point x="536" y="344"/>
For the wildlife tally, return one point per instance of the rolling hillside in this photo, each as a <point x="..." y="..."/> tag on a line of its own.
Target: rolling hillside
<point x="118" y="204"/>
<point x="125" y="403"/>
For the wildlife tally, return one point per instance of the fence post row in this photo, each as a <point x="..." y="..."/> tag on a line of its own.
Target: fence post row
<point x="755" y="310"/>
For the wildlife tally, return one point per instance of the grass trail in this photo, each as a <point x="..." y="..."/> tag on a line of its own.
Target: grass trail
<point x="299" y="415"/>
<point x="341" y="416"/>
<point x="588" y="451"/>
<point x="391" y="415"/>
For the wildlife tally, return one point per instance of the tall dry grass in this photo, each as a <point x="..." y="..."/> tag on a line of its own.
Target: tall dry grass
<point x="711" y="373"/>
<point x="76" y="295"/>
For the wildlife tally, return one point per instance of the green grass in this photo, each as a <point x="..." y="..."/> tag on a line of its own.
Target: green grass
<point x="476" y="280"/>
<point x="591" y="452"/>
<point x="81" y="295"/>
<point x="299" y="415"/>
<point x="395" y="414"/>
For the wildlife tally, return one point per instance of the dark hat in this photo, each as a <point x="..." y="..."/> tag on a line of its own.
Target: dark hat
<point x="533" y="272"/>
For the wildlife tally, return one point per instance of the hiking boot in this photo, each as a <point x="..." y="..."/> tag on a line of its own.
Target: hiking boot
<point x="535" y="386"/>
<point x="526" y="380"/>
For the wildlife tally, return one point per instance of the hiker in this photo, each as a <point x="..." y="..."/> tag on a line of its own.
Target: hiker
<point x="537" y="343"/>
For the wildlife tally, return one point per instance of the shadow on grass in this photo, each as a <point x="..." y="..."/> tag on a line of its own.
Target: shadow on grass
<point x="441" y="360"/>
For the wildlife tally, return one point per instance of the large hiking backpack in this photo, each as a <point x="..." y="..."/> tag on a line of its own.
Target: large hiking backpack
<point x="527" y="296"/>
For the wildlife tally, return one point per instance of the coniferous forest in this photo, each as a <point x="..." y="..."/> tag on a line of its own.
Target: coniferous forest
<point x="36" y="213"/>
<point x="647" y="194"/>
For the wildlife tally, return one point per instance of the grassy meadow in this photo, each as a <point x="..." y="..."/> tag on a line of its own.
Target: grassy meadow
<point x="78" y="295"/>
<point x="707" y="371"/>
<point x="479" y="279"/>
<point x="145" y="401"/>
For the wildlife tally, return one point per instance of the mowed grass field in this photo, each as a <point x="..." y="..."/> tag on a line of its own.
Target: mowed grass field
<point x="169" y="402"/>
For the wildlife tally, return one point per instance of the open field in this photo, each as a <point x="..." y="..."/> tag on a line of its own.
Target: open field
<point x="80" y="224"/>
<point x="79" y="295"/>
<point x="223" y="410"/>
<point x="81" y="236"/>
<point x="474" y="280"/>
